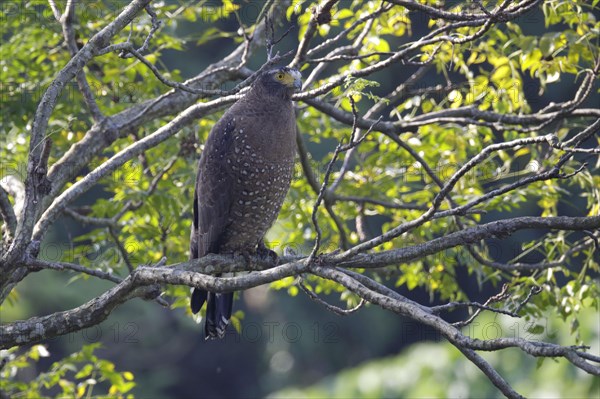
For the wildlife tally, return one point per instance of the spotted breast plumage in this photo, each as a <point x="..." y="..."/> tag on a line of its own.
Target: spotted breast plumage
<point x="244" y="173"/>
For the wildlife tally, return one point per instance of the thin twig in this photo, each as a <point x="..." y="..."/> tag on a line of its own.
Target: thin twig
<point x="335" y="309"/>
<point x="270" y="36"/>
<point x="67" y="20"/>
<point x="156" y="24"/>
<point x="454" y="305"/>
<point x="121" y="249"/>
<point x="502" y="295"/>
<point x="41" y="264"/>
<point x="339" y="148"/>
<point x="321" y="15"/>
<point x="104" y="222"/>
<point x="533" y="291"/>
<point x="314" y="185"/>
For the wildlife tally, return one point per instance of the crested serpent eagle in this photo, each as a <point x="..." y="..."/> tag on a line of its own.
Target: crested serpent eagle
<point x="244" y="174"/>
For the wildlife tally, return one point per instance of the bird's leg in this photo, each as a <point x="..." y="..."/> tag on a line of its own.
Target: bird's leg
<point x="247" y="255"/>
<point x="267" y="254"/>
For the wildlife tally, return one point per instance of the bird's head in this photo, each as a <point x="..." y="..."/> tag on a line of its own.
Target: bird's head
<point x="281" y="82"/>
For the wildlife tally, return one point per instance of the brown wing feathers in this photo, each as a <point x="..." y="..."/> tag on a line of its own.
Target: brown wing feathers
<point x="244" y="174"/>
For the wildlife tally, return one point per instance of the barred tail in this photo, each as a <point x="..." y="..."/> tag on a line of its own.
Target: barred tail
<point x="218" y="313"/>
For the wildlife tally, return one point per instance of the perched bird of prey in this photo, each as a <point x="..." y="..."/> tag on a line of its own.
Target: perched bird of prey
<point x="244" y="173"/>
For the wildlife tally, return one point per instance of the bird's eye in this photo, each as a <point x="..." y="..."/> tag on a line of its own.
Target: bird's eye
<point x="279" y="76"/>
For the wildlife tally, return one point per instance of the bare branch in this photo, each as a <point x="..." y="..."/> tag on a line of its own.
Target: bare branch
<point x="270" y="33"/>
<point x="332" y="308"/>
<point x="344" y="33"/>
<point x="144" y="280"/>
<point x="453" y="335"/>
<point x="473" y="235"/>
<point x="128" y="47"/>
<point x="447" y="187"/>
<point x="491" y="373"/>
<point x="156" y="24"/>
<point x="141" y="283"/>
<point x="109" y="129"/>
<point x="12" y="186"/>
<point x="67" y="20"/>
<point x="7" y="213"/>
<point x="321" y="15"/>
<point x="353" y="142"/>
<point x="113" y="234"/>
<point x="104" y="222"/>
<point x="55" y="11"/>
<point x="62" y="201"/>
<point x="477" y="305"/>
<point x="437" y="13"/>
<point x="374" y="201"/>
<point x="533" y="291"/>
<point x="37" y="265"/>
<point x="42" y="116"/>
<point x="313" y="183"/>
<point x="502" y="295"/>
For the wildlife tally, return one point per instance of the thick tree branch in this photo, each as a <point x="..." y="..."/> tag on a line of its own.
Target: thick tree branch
<point x="490" y="372"/>
<point x="67" y="20"/>
<point x="42" y="116"/>
<point x="111" y="128"/>
<point x="467" y="116"/>
<point x="441" y="195"/>
<point x="189" y="274"/>
<point x="37" y="265"/>
<point x="7" y="214"/>
<point x="63" y="200"/>
<point x="424" y="316"/>
<point x="473" y="235"/>
<point x="321" y="15"/>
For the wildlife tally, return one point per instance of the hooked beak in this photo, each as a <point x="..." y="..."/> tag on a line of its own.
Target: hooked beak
<point x="297" y="78"/>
